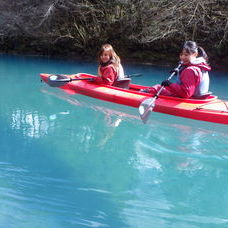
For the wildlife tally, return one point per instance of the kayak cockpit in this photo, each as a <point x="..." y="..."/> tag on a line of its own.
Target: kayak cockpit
<point x="123" y="83"/>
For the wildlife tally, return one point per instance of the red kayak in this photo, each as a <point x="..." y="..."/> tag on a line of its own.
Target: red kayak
<point x="209" y="109"/>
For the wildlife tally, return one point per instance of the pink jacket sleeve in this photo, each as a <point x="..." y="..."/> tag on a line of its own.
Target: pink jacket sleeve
<point x="108" y="76"/>
<point x="190" y="79"/>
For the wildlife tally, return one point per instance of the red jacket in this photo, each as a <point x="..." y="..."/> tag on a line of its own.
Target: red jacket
<point x="108" y="75"/>
<point x="189" y="78"/>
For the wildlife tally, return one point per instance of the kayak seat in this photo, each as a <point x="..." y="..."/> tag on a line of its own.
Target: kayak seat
<point x="122" y="83"/>
<point x="204" y="96"/>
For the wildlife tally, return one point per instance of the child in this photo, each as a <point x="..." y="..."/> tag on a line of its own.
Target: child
<point x="110" y="68"/>
<point x="192" y="78"/>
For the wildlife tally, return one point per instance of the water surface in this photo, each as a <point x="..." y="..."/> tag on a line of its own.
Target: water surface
<point x="74" y="161"/>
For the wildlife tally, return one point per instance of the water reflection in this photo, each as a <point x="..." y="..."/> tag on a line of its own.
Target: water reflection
<point x="94" y="164"/>
<point x="30" y="199"/>
<point x="112" y="118"/>
<point x="107" y="108"/>
<point x="174" y="178"/>
<point x="31" y="124"/>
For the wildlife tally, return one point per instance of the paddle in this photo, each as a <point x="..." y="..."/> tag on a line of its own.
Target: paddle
<point x="57" y="80"/>
<point x="60" y="80"/>
<point x="133" y="75"/>
<point x="148" y="104"/>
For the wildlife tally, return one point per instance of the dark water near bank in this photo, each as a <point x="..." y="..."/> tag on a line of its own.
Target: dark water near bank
<point x="74" y="161"/>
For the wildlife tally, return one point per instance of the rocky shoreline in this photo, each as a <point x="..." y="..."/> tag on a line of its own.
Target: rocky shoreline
<point x="141" y="32"/>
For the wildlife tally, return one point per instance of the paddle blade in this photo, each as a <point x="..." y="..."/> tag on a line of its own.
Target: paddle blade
<point x="146" y="107"/>
<point x="57" y="80"/>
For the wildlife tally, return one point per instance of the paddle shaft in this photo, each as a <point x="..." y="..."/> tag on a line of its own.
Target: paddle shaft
<point x="60" y="79"/>
<point x="133" y="75"/>
<point x="75" y="79"/>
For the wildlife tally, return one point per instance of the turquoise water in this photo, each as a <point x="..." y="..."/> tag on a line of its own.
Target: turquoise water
<point x="74" y="161"/>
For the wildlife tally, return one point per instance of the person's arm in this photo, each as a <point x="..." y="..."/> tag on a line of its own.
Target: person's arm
<point x="189" y="80"/>
<point x="108" y="76"/>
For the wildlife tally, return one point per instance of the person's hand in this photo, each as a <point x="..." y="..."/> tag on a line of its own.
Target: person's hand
<point x="165" y="83"/>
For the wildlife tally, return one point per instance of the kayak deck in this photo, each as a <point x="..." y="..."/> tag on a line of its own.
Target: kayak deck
<point x="210" y="109"/>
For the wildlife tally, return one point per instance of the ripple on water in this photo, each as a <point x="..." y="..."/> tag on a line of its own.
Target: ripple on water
<point x="31" y="200"/>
